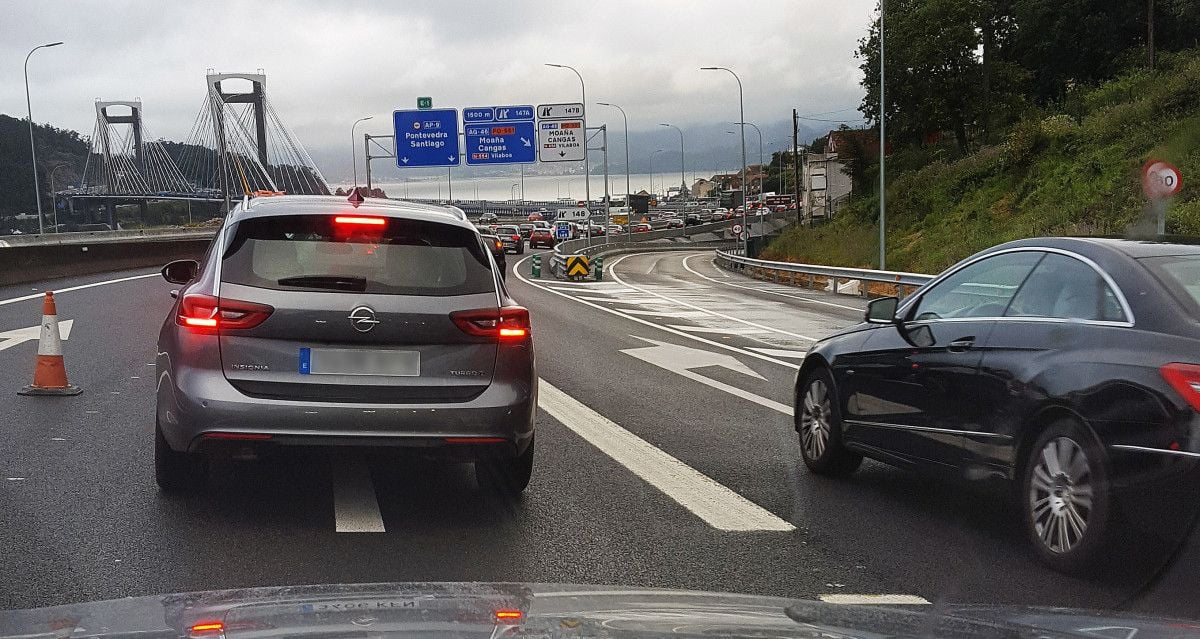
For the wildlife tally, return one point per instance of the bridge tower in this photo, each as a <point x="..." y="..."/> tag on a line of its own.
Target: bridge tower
<point x="104" y="120"/>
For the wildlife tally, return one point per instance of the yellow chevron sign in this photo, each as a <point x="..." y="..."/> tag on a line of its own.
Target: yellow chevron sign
<point x="577" y="265"/>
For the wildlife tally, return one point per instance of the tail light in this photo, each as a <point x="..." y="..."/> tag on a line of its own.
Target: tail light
<point x="507" y="324"/>
<point x="499" y="244"/>
<point x="516" y="237"/>
<point x="206" y="312"/>
<point x="1185" y="379"/>
<point x="359" y="220"/>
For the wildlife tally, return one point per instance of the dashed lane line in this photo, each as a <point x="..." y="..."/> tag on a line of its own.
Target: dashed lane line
<point x="355" y="506"/>
<point x="780" y="352"/>
<point x="870" y="600"/>
<point x="703" y="496"/>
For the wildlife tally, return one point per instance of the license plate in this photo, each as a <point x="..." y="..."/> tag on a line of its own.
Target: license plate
<point x="353" y="361"/>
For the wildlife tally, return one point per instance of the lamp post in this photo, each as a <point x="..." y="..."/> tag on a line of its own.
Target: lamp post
<point x="624" y="117"/>
<point x="587" y="175"/>
<point x="353" y="156"/>
<point x="741" y="118"/>
<point x="37" y="196"/>
<point x="682" y="179"/>
<point x="882" y="153"/>
<point x="652" y="169"/>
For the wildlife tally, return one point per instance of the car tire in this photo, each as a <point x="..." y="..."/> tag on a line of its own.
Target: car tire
<point x="1065" y="482"/>
<point x="521" y="249"/>
<point x="175" y="472"/>
<point x="506" y="476"/>
<point x="818" y="418"/>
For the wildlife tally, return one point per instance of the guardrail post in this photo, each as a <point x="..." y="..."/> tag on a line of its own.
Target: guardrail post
<point x="537" y="266"/>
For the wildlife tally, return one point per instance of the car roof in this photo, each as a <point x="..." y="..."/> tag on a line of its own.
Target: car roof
<point x="1166" y="245"/>
<point x="332" y="204"/>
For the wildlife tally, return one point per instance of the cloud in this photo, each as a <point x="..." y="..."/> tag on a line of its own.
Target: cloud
<point x="330" y="63"/>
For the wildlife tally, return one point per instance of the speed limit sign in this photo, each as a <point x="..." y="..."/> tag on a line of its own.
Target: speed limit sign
<point x="737" y="229"/>
<point x="1160" y="179"/>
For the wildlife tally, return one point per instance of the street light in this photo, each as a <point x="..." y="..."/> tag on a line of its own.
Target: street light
<point x="741" y="118"/>
<point x="587" y="175"/>
<point x="512" y="190"/>
<point x="652" y="170"/>
<point x="623" y="116"/>
<point x="37" y="196"/>
<point x="353" y="155"/>
<point x="882" y="151"/>
<point x="682" y="179"/>
<point x="760" y="156"/>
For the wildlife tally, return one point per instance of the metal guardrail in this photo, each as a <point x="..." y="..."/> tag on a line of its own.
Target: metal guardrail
<point x="733" y="260"/>
<point x="91" y="237"/>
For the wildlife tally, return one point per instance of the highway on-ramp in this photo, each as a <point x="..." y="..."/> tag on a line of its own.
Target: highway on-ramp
<point x="666" y="457"/>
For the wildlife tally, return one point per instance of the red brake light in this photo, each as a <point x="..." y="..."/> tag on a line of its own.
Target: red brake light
<point x="207" y="312"/>
<point x="357" y="219"/>
<point x="1185" y="379"/>
<point x="509" y="615"/>
<point x="508" y="324"/>
<point x="516" y="237"/>
<point x="208" y="628"/>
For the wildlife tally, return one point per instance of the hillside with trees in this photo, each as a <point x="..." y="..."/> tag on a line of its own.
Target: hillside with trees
<point x="55" y="147"/>
<point x="1017" y="118"/>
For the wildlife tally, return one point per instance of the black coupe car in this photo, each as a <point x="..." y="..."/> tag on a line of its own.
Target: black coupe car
<point x="1069" y="366"/>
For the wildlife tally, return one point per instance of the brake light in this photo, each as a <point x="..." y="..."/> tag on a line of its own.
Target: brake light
<point x="207" y="627"/>
<point x="1185" y="379"/>
<point x="207" y="312"/>
<point x="515" y="238"/>
<point x="507" y="324"/>
<point x="359" y="220"/>
<point x="509" y="615"/>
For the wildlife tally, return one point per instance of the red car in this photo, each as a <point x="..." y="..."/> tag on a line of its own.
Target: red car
<point x="541" y="237"/>
<point x="642" y="228"/>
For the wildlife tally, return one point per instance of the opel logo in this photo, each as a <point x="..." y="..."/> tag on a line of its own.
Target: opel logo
<point x="362" y="318"/>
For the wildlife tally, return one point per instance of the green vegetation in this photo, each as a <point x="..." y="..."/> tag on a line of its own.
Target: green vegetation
<point x="1062" y="157"/>
<point x="55" y="147"/>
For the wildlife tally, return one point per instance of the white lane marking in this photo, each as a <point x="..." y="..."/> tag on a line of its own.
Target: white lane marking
<point x="873" y="599"/>
<point x="660" y="327"/>
<point x="13" y="300"/>
<point x="355" y="508"/>
<point x="761" y="290"/>
<point x="620" y="300"/>
<point x="726" y="330"/>
<point x="675" y="314"/>
<point x="720" y="272"/>
<point x="613" y="272"/>
<point x="712" y="502"/>
<point x="650" y="356"/>
<point x="653" y="264"/>
<point x="22" y="335"/>
<point x="780" y="352"/>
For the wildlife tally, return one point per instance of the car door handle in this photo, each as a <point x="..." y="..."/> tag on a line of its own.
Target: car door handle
<point x="961" y="344"/>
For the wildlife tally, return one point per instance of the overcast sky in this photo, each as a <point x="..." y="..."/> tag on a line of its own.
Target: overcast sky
<point x="328" y="63"/>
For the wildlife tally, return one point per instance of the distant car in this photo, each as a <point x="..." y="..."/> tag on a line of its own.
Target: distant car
<point x="615" y="229"/>
<point x="526" y="229"/>
<point x="488" y="218"/>
<point x="542" y="224"/>
<point x="510" y="235"/>
<point x="692" y="219"/>
<point x="534" y="217"/>
<point x="497" y="248"/>
<point x="597" y="229"/>
<point x="675" y="223"/>
<point x="542" y="236"/>
<point x="779" y="208"/>
<point x="705" y="216"/>
<point x="641" y="227"/>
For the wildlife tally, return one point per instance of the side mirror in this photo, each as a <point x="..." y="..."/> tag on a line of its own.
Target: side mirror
<point x="882" y="311"/>
<point x="180" y="271"/>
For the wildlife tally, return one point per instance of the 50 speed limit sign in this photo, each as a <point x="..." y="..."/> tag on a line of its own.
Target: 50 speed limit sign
<point x="1160" y="179"/>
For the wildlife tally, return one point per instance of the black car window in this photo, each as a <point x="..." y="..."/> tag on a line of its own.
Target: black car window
<point x="982" y="289"/>
<point x="1180" y="274"/>
<point x="1064" y="287"/>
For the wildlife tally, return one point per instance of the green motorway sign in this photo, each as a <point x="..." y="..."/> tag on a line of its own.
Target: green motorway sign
<point x="424" y="103"/>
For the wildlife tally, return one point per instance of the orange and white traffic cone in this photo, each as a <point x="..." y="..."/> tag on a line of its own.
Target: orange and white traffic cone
<point x="50" y="374"/>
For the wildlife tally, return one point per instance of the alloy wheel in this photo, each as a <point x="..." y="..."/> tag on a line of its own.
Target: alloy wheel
<point x="1060" y="494"/>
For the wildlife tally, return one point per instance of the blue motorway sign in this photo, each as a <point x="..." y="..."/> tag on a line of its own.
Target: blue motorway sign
<point x="426" y="137"/>
<point x="500" y="135"/>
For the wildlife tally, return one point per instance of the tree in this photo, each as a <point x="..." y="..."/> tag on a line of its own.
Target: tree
<point x="934" y="78"/>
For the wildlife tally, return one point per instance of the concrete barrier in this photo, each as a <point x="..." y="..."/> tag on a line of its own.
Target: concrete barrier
<point x="37" y="263"/>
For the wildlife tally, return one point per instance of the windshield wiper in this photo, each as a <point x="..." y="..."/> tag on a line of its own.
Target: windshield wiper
<point x="332" y="282"/>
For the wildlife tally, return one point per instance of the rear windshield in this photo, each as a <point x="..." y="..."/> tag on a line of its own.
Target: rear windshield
<point x="315" y="253"/>
<point x="1181" y="274"/>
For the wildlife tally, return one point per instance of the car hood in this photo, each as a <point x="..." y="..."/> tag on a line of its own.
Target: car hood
<point x="462" y="610"/>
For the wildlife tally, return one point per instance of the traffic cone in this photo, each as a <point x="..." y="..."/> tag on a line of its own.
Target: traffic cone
<point x="50" y="374"/>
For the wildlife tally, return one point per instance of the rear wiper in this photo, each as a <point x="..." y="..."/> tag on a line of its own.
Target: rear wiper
<point x="333" y="282"/>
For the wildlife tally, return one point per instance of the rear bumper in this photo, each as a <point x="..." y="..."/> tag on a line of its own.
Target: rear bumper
<point x="198" y="411"/>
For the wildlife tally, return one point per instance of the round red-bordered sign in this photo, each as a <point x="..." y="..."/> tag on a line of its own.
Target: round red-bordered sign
<point x="1160" y="179"/>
